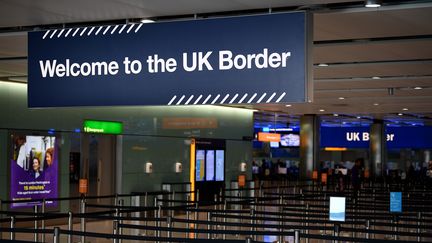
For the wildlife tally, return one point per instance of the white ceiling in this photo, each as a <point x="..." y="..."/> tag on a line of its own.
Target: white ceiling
<point x="392" y="42"/>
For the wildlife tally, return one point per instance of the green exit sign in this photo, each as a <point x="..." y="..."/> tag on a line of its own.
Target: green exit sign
<point x="105" y="127"/>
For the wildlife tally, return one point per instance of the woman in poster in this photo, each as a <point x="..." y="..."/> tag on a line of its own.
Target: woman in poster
<point x="49" y="157"/>
<point x="36" y="167"/>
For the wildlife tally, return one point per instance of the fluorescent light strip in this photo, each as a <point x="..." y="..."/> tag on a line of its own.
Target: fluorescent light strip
<point x="280" y="97"/>
<point x="172" y="100"/>
<point x="180" y="100"/>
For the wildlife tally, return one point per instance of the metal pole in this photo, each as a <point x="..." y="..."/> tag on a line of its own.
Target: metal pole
<point x="83" y="223"/>
<point x="307" y="224"/>
<point x="296" y="236"/>
<point x="158" y="232"/>
<point x="224" y="220"/>
<point x="169" y="227"/>
<point x="145" y="213"/>
<point x="248" y="240"/>
<point x="196" y="217"/>
<point x="70" y="227"/>
<point x="12" y="226"/>
<point x="120" y="230"/>
<point x="187" y="217"/>
<point x="419" y="217"/>
<point x="367" y="228"/>
<point x="35" y="224"/>
<point x="43" y="220"/>
<point x="115" y="230"/>
<point x="208" y="225"/>
<point x="56" y="238"/>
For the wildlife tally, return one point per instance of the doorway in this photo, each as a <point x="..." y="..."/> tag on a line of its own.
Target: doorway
<point x="98" y="155"/>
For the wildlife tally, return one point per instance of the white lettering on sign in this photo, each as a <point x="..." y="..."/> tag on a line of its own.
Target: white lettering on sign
<point x="355" y="136"/>
<point x="194" y="61"/>
<point x="51" y="68"/>
<point x="260" y="60"/>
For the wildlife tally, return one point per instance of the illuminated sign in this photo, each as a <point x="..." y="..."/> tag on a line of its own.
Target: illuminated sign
<point x="233" y="60"/>
<point x="269" y="137"/>
<point x="104" y="127"/>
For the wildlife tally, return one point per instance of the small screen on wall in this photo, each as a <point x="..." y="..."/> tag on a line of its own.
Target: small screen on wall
<point x="34" y="169"/>
<point x="220" y="165"/>
<point x="210" y="165"/>
<point x="200" y="165"/>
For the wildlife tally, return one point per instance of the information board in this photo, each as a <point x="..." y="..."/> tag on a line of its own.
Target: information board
<point x="337" y="209"/>
<point x="396" y="202"/>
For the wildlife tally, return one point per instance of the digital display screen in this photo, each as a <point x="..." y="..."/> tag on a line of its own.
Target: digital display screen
<point x="337" y="209"/>
<point x="290" y="140"/>
<point x="200" y="165"/>
<point x="274" y="144"/>
<point x="220" y="165"/>
<point x="34" y="169"/>
<point x="210" y="165"/>
<point x="396" y="202"/>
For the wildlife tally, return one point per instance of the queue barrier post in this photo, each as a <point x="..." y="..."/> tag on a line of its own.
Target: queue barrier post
<point x="248" y="240"/>
<point x="70" y="226"/>
<point x="115" y="230"/>
<point x="367" y="228"/>
<point x="43" y="220"/>
<point x="336" y="232"/>
<point x="120" y="230"/>
<point x="208" y="225"/>
<point x="419" y="218"/>
<point x="56" y="238"/>
<point x="158" y="232"/>
<point x="83" y="223"/>
<point x="12" y="226"/>
<point x="169" y="225"/>
<point x="188" y="218"/>
<point x="36" y="236"/>
<point x="296" y="236"/>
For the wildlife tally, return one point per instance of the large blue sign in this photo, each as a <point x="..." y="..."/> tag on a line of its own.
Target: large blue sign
<point x="396" y="202"/>
<point x="253" y="59"/>
<point x="358" y="137"/>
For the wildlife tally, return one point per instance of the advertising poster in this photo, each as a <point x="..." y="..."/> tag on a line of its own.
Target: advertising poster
<point x="210" y="165"/>
<point x="200" y="165"/>
<point x="396" y="202"/>
<point x="220" y="165"/>
<point x="337" y="209"/>
<point x="34" y="169"/>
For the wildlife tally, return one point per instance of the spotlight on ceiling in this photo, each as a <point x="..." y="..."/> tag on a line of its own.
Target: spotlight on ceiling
<point x="390" y="91"/>
<point x="373" y="3"/>
<point x="147" y="21"/>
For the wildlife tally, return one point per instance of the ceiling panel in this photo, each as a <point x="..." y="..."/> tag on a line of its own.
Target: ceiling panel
<point x="360" y="71"/>
<point x="378" y="22"/>
<point x="370" y="51"/>
<point x="372" y="83"/>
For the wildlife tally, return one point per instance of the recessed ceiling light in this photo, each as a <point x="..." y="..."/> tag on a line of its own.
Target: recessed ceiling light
<point x="372" y="3"/>
<point x="404" y="109"/>
<point x="400" y="114"/>
<point x="341" y="98"/>
<point x="335" y="115"/>
<point x="376" y="77"/>
<point x="323" y="65"/>
<point x="147" y="21"/>
<point x="288" y="105"/>
<point x="375" y="104"/>
<point x="321" y="110"/>
<point x="418" y="87"/>
<point x="359" y="117"/>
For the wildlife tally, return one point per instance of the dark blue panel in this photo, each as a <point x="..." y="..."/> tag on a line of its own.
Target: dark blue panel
<point x="272" y="33"/>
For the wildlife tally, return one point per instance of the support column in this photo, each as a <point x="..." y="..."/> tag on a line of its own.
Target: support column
<point x="377" y="148"/>
<point x="119" y="164"/>
<point x="309" y="144"/>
